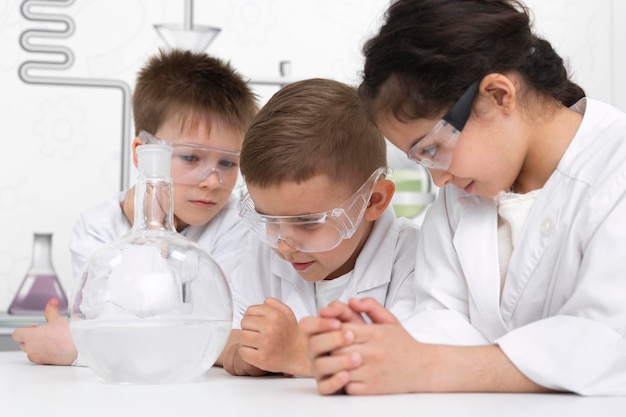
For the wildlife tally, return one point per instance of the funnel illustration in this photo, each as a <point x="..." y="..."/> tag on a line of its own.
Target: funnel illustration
<point x="187" y="36"/>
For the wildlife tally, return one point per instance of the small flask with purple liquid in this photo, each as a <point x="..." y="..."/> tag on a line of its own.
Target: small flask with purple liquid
<point x="41" y="282"/>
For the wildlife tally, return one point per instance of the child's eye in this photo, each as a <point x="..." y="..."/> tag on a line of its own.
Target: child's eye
<point x="188" y="158"/>
<point x="227" y="164"/>
<point x="431" y="151"/>
<point x="309" y="226"/>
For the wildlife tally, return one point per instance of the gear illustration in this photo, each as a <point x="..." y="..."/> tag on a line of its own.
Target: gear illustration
<point x="60" y="128"/>
<point x="259" y="21"/>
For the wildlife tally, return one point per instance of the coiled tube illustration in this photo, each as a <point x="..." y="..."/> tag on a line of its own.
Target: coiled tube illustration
<point x="64" y="60"/>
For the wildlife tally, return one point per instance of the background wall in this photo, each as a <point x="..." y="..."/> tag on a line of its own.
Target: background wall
<point x="63" y="124"/>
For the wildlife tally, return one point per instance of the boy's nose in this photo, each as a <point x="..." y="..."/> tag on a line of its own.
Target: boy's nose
<point x="284" y="246"/>
<point x="212" y="179"/>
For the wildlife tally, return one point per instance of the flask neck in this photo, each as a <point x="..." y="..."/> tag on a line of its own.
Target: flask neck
<point x="154" y="207"/>
<point x="41" y="261"/>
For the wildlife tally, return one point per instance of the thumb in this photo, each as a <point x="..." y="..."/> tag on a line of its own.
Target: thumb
<point x="278" y="305"/>
<point x="51" y="311"/>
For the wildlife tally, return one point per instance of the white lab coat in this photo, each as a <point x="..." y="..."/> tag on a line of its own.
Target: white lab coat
<point x="384" y="270"/>
<point x="561" y="318"/>
<point x="225" y="237"/>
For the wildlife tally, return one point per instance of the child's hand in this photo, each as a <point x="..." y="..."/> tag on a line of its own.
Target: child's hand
<point x="235" y="365"/>
<point x="338" y="341"/>
<point x="271" y="340"/>
<point x="128" y="205"/>
<point x="342" y="312"/>
<point x="325" y="336"/>
<point x="48" y="344"/>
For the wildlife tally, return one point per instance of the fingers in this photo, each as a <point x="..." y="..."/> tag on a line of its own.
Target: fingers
<point x="276" y="304"/>
<point x="270" y="306"/>
<point x="333" y="373"/>
<point x="18" y="334"/>
<point x="374" y="310"/>
<point x="252" y="370"/>
<point x="333" y="384"/>
<point x="326" y="366"/>
<point x="314" y="325"/>
<point x="341" y="312"/>
<point x="234" y="364"/>
<point x="51" y="311"/>
<point x="323" y="344"/>
<point x="270" y="317"/>
<point x="21" y="334"/>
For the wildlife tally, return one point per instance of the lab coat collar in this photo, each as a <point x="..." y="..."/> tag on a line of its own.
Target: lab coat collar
<point x="481" y="268"/>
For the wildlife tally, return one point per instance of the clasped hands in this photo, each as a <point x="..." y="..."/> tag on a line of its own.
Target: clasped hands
<point x="349" y="355"/>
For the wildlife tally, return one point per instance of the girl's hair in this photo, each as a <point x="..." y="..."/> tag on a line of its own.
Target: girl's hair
<point x="429" y="51"/>
<point x="308" y="128"/>
<point x="192" y="87"/>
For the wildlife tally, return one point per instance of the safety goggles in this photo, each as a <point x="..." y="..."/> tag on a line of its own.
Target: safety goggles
<point x="193" y="164"/>
<point x="317" y="232"/>
<point x="435" y="150"/>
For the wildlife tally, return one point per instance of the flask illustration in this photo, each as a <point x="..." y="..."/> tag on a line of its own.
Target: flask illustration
<point x="41" y="282"/>
<point x="152" y="306"/>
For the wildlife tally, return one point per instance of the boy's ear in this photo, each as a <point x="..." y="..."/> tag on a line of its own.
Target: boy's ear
<point x="136" y="142"/>
<point x="380" y="199"/>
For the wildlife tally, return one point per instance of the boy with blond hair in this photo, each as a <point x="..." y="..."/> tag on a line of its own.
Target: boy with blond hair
<point x="319" y="203"/>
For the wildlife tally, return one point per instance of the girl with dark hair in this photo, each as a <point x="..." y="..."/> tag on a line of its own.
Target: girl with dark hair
<point x="520" y="264"/>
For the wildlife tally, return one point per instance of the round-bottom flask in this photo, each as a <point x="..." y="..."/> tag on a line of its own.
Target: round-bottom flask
<point x="152" y="306"/>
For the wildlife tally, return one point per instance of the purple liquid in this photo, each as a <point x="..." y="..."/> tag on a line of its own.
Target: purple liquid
<point x="34" y="293"/>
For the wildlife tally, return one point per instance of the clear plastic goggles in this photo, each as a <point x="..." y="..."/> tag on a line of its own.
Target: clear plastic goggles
<point x="435" y="150"/>
<point x="317" y="232"/>
<point x="193" y="164"/>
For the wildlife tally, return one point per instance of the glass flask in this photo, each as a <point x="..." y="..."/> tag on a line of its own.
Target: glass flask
<point x="152" y="306"/>
<point x="41" y="282"/>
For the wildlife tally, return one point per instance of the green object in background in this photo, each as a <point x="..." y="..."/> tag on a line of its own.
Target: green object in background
<point x="412" y="191"/>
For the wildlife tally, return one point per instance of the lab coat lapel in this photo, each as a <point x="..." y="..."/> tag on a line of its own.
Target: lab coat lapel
<point x="476" y="244"/>
<point x="372" y="270"/>
<point x="540" y="227"/>
<point x="297" y="293"/>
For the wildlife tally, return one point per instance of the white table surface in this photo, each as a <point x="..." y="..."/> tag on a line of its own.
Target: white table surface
<point x="34" y="390"/>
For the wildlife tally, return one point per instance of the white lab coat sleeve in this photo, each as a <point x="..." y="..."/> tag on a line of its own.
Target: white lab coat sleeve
<point x="443" y="327"/>
<point x="93" y="228"/>
<point x="251" y="280"/>
<point x="566" y="353"/>
<point x="237" y="285"/>
<point x="230" y="249"/>
<point x="225" y="238"/>
<point x="81" y="247"/>
<point x="582" y="348"/>
<point x="442" y="307"/>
